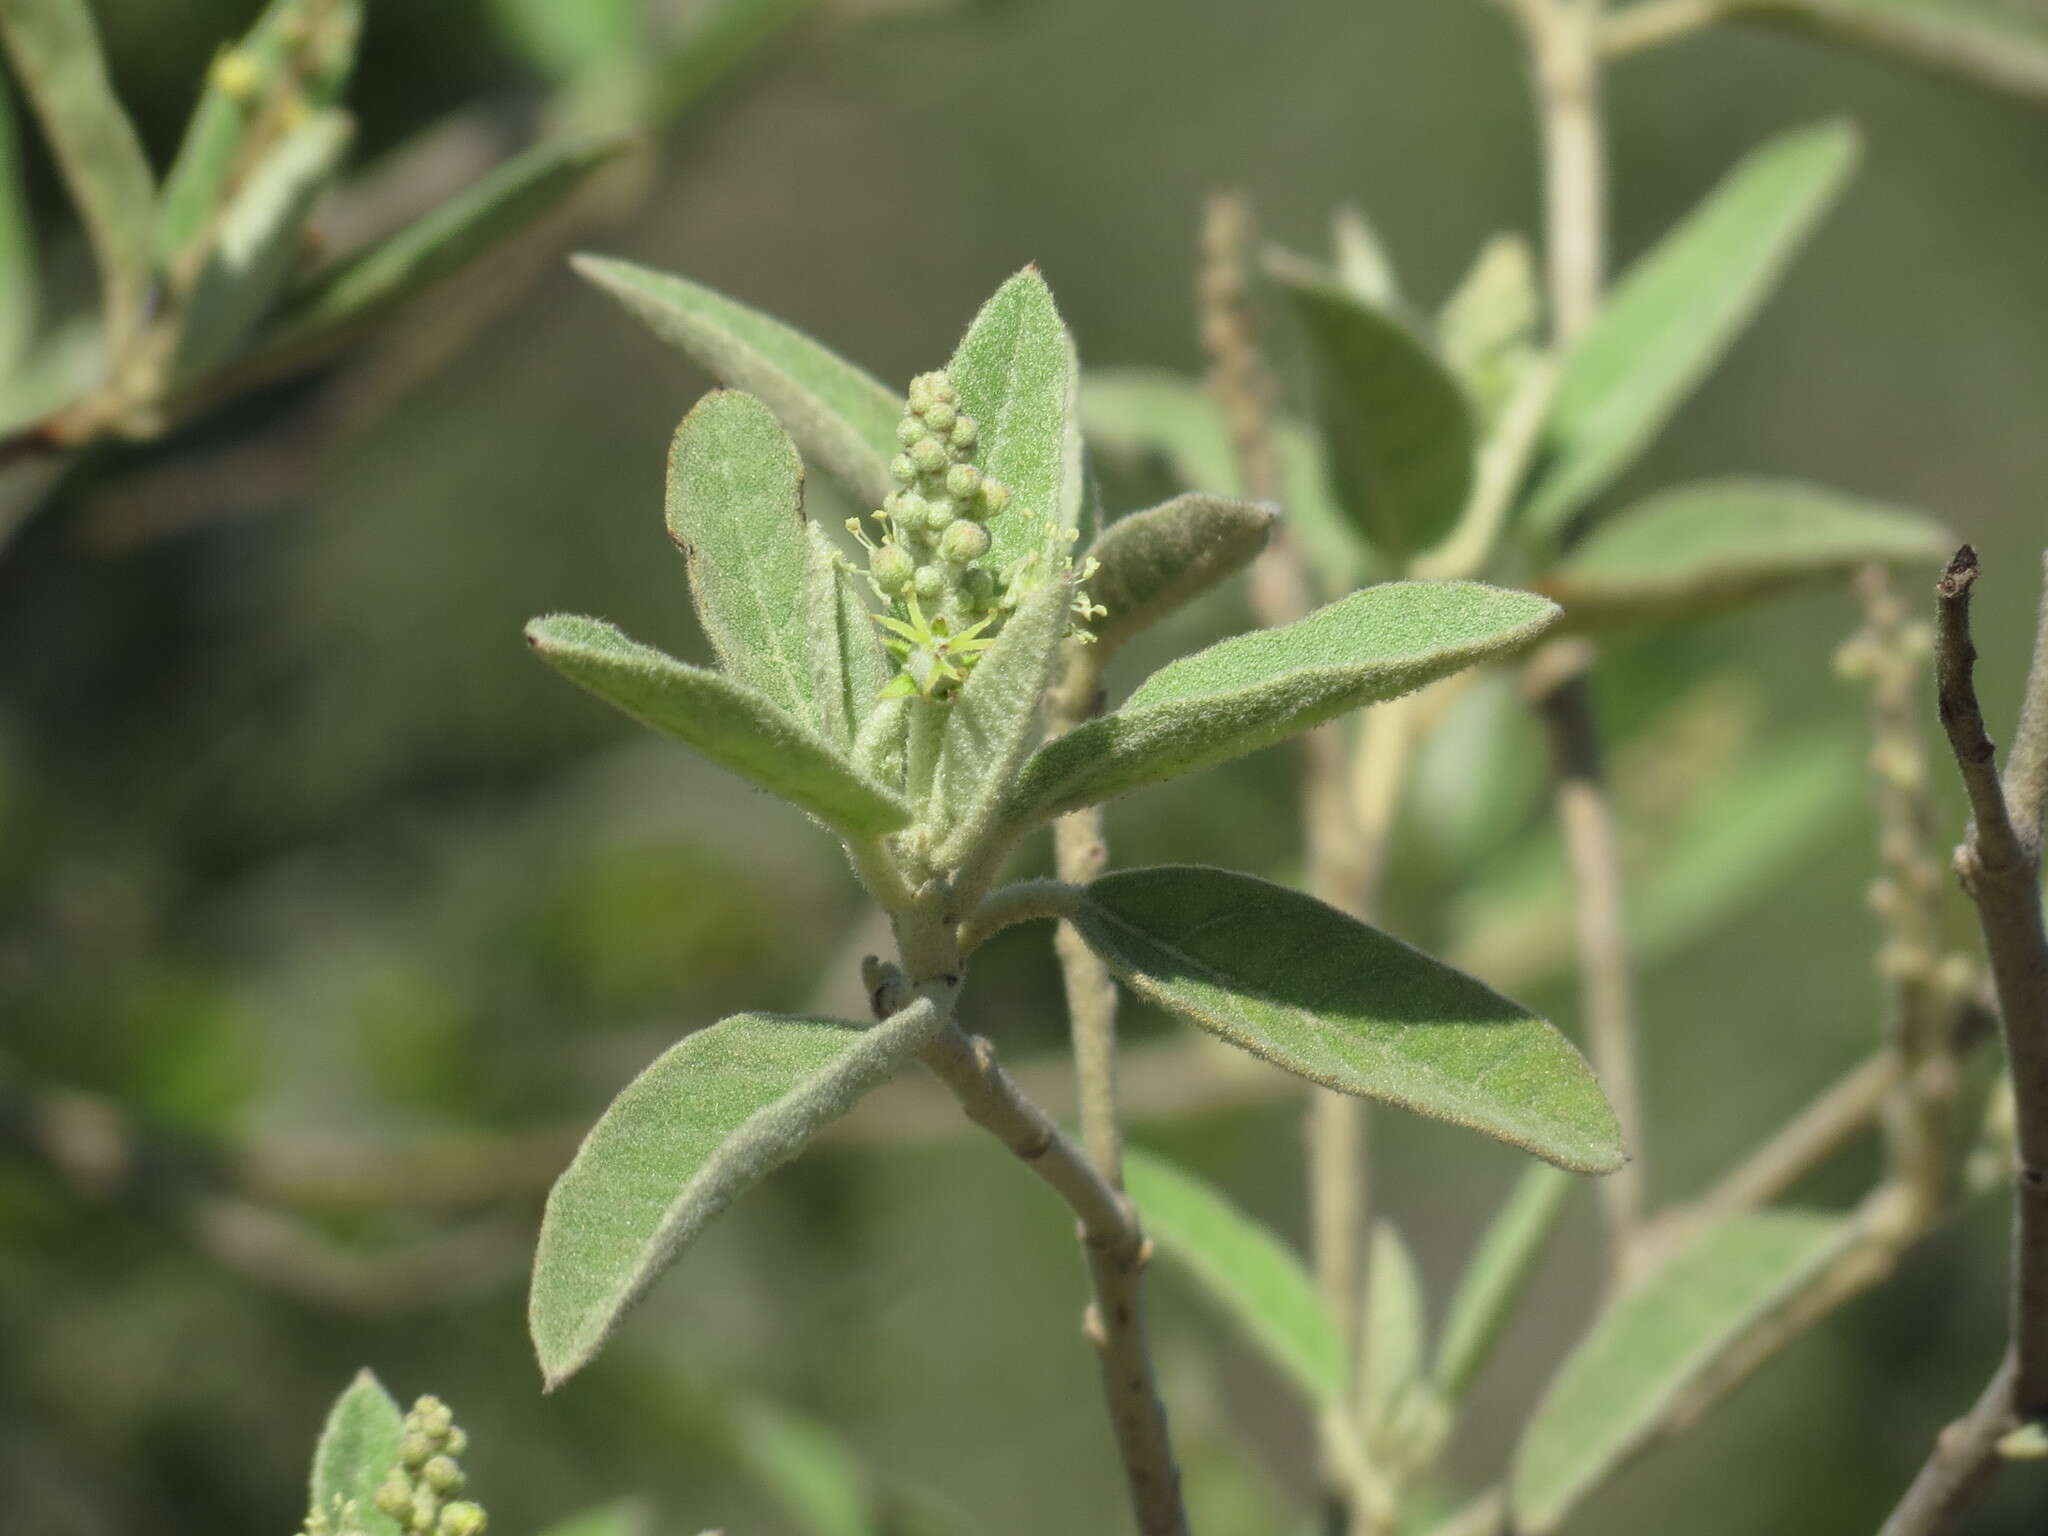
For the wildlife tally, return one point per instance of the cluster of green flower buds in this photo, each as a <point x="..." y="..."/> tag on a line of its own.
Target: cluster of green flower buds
<point x="420" y="1492"/>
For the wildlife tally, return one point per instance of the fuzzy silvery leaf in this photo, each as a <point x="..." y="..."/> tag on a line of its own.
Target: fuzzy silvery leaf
<point x="1395" y="1332"/>
<point x="1299" y="984"/>
<point x="261" y="234"/>
<point x="840" y="416"/>
<point x="1244" y="1267"/>
<point x="1650" y="1343"/>
<point x="1700" y="548"/>
<point x="1256" y="689"/>
<point x="1674" y="313"/>
<point x="806" y="1468"/>
<point x="362" y="286"/>
<point x="2002" y="44"/>
<point x="736" y="511"/>
<point x="994" y="721"/>
<point x="1396" y="425"/>
<point x="627" y="1517"/>
<point x="848" y="666"/>
<point x="728" y="722"/>
<point x="357" y="1449"/>
<point x="1132" y="413"/>
<point x="303" y="49"/>
<point x="1496" y="1275"/>
<point x="56" y="53"/>
<point x="1017" y="378"/>
<point x="1152" y="562"/>
<point x="714" y="1114"/>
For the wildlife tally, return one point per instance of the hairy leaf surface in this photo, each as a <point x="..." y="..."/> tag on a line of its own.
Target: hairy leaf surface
<point x="715" y="1113"/>
<point x="1677" y="310"/>
<point x="1496" y="1274"/>
<point x="1653" y="1340"/>
<point x="1256" y="1279"/>
<point x="357" y="1449"/>
<point x="1256" y="689"/>
<point x="726" y="721"/>
<point x="1301" y="985"/>
<point x="1154" y="561"/>
<point x="841" y="417"/>
<point x="848" y="666"/>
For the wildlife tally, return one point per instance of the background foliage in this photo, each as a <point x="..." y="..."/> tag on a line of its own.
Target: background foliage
<point x="299" y="850"/>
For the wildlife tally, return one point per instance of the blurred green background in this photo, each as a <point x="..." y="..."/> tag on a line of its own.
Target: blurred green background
<point x="305" y="865"/>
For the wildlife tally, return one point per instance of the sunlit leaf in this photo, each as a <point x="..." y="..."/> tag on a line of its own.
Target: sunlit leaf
<point x="1488" y="327"/>
<point x="1651" y="1343"/>
<point x="1154" y="561"/>
<point x="1256" y="689"/>
<point x="1677" y="310"/>
<point x="1396" y="425"/>
<point x="1244" y="1268"/>
<point x="628" y="1517"/>
<point x="726" y="721"/>
<point x="715" y="1113"/>
<point x="736" y="511"/>
<point x="357" y="1449"/>
<point x="56" y="53"/>
<point x="1714" y="545"/>
<point x="841" y="418"/>
<point x="848" y="666"/>
<point x="1496" y="1274"/>
<point x="1361" y="261"/>
<point x="1303" y="986"/>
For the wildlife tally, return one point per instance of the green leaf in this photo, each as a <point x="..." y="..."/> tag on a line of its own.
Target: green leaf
<point x="994" y="722"/>
<point x="840" y="416"/>
<point x="1677" y="310"/>
<point x="1651" y="1343"/>
<point x="1496" y="1275"/>
<point x="848" y="666"/>
<point x="1247" y="1270"/>
<point x="1998" y="43"/>
<point x="56" y="54"/>
<point x="1152" y="562"/>
<point x="713" y="1115"/>
<point x="1702" y="547"/>
<point x="1141" y="412"/>
<point x="1396" y="425"/>
<point x="1488" y="326"/>
<point x="260" y="236"/>
<point x="366" y="284"/>
<point x="1396" y="1331"/>
<point x="1017" y="377"/>
<point x="730" y="724"/>
<point x="20" y="281"/>
<point x="627" y="1517"/>
<point x="357" y="1449"/>
<point x="1256" y="689"/>
<point x="1303" y="986"/>
<point x="736" y="511"/>
<point x="299" y="50"/>
<point x="566" y="41"/>
<point x="1361" y="260"/>
<point x="805" y="1467"/>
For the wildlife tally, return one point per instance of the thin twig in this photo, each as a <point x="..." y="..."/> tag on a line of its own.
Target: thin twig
<point x="1653" y="23"/>
<point x="1964" y="1461"/>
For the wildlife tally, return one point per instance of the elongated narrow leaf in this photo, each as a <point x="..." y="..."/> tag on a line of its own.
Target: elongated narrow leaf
<point x="806" y="1468"/>
<point x="260" y="236"/>
<point x="729" y="723"/>
<point x="1154" y="561"/>
<point x="357" y="1449"/>
<point x="736" y="511"/>
<point x="1361" y="260"/>
<point x="1496" y="1274"/>
<point x="364" y="285"/>
<point x="569" y="41"/>
<point x="1653" y="1341"/>
<point x="1998" y="43"/>
<point x="1715" y="545"/>
<point x="848" y="666"/>
<point x="840" y="416"/>
<point x="1301" y="985"/>
<point x="20" y="280"/>
<point x="1677" y="310"/>
<point x="56" y="54"/>
<point x="1256" y="689"/>
<point x="1017" y="378"/>
<point x="1141" y="412"/>
<point x="1396" y="1332"/>
<point x="1488" y="328"/>
<point x="994" y="721"/>
<point x="715" y="1113"/>
<point x="1396" y="424"/>
<point x="628" y="1517"/>
<point x="1247" y="1270"/>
